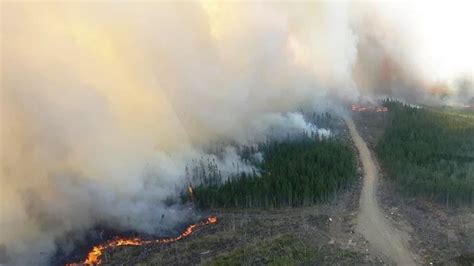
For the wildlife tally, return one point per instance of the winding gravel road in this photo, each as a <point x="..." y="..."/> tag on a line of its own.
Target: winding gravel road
<point x="371" y="222"/>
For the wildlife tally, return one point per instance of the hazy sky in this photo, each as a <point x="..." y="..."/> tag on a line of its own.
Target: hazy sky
<point x="104" y="103"/>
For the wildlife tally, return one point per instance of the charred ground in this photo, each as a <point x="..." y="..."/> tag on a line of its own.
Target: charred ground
<point x="321" y="233"/>
<point x="324" y="233"/>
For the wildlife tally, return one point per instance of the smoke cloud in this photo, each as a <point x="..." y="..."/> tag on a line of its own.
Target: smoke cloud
<point x="103" y="105"/>
<point x="418" y="51"/>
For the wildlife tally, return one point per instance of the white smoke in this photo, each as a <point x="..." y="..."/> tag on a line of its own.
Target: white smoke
<point x="281" y="126"/>
<point x="104" y="104"/>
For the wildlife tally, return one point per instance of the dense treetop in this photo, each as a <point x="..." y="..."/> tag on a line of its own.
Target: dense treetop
<point x="293" y="173"/>
<point x="430" y="152"/>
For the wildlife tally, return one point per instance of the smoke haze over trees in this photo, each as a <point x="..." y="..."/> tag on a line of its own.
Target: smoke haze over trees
<point x="294" y="173"/>
<point x="104" y="104"/>
<point x="430" y="153"/>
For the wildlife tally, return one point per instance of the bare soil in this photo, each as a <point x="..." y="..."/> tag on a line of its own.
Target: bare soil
<point x="440" y="234"/>
<point x="437" y="234"/>
<point x="371" y="222"/>
<point x="328" y="230"/>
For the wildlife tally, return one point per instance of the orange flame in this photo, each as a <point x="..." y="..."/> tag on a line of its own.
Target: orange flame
<point x="94" y="256"/>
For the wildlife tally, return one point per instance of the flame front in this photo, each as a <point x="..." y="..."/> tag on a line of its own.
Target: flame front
<point x="94" y="256"/>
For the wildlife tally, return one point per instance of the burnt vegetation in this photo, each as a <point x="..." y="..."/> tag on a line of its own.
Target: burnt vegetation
<point x="430" y="152"/>
<point x="293" y="172"/>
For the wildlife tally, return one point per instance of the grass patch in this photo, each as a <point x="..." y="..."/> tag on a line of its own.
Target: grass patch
<point x="282" y="250"/>
<point x="286" y="250"/>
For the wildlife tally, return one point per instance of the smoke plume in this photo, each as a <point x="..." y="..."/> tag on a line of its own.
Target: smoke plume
<point x="104" y="104"/>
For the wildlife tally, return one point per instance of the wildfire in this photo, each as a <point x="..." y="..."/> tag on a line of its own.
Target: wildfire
<point x="94" y="256"/>
<point x="369" y="108"/>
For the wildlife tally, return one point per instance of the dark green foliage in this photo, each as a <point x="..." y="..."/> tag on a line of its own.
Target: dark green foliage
<point x="428" y="152"/>
<point x="293" y="173"/>
<point x="323" y="120"/>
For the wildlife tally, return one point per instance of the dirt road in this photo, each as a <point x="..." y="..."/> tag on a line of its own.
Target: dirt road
<point x="371" y="222"/>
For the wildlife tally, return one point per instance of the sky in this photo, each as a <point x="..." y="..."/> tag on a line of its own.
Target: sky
<point x="103" y="104"/>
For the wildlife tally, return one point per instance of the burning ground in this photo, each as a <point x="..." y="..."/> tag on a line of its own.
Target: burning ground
<point x="101" y="251"/>
<point x="104" y="105"/>
<point x="96" y="254"/>
<point x="324" y="234"/>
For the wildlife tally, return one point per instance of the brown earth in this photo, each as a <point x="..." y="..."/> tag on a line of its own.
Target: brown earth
<point x="440" y="234"/>
<point x="371" y="222"/>
<point x="326" y="231"/>
<point x="437" y="234"/>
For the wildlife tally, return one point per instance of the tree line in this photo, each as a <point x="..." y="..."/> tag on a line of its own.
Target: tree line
<point x="429" y="152"/>
<point x="292" y="173"/>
